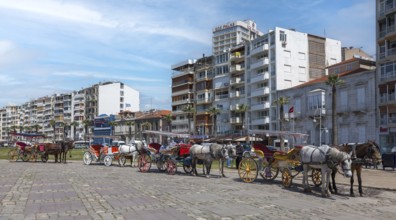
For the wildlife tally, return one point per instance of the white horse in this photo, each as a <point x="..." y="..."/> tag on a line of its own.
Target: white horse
<point x="132" y="150"/>
<point x="326" y="159"/>
<point x="208" y="153"/>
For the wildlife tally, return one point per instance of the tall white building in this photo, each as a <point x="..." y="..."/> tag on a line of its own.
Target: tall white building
<point x="281" y="59"/>
<point x="115" y="97"/>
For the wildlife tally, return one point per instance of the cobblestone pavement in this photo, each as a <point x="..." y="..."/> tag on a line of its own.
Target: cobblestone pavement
<point x="77" y="191"/>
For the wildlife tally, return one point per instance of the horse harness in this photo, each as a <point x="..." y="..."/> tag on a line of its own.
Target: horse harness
<point x="328" y="160"/>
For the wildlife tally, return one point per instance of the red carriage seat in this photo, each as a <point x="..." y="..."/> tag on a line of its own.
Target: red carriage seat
<point x="114" y="149"/>
<point x="95" y="148"/>
<point x="21" y="145"/>
<point x="41" y="147"/>
<point x="155" y="146"/>
<point x="267" y="152"/>
<point x="184" y="150"/>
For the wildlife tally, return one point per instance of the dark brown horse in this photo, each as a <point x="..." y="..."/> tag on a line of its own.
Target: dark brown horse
<point x="360" y="154"/>
<point x="66" y="146"/>
<point x="52" y="149"/>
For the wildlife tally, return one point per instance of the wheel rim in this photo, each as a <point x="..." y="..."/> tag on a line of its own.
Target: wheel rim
<point x="144" y="163"/>
<point x="107" y="161"/>
<point x="269" y="173"/>
<point x="171" y="167"/>
<point x="12" y="155"/>
<point x="316" y="177"/>
<point x="25" y="156"/>
<point x="161" y="166"/>
<point x="87" y="158"/>
<point x="248" y="170"/>
<point x="286" y="178"/>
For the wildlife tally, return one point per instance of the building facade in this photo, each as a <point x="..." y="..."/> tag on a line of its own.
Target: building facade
<point x="386" y="72"/>
<point x="356" y="112"/>
<point x="61" y="116"/>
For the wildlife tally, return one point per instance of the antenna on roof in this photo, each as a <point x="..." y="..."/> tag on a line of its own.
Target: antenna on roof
<point x="324" y="33"/>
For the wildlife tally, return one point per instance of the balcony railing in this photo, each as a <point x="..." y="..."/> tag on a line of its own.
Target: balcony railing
<point x="235" y="120"/>
<point x="260" y="77"/>
<point x="259" y="49"/>
<point x="260" y="91"/>
<point x="261" y="121"/>
<point x="388" y="75"/>
<point x="260" y="106"/>
<point x="259" y="63"/>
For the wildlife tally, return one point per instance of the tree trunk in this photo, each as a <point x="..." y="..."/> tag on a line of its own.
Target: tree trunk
<point x="334" y="116"/>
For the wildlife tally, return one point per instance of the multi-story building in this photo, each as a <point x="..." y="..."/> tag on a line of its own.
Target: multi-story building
<point x="203" y="81"/>
<point x="183" y="96"/>
<point x="356" y="109"/>
<point x="281" y="59"/>
<point x="386" y="72"/>
<point x="63" y="115"/>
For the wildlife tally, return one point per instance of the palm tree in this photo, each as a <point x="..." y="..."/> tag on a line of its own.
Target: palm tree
<point x="334" y="81"/>
<point x="86" y="123"/>
<point x="13" y="128"/>
<point x="280" y="102"/>
<point x="21" y="128"/>
<point x="213" y="112"/>
<point x="52" y="124"/>
<point x="241" y="110"/>
<point x="74" y="124"/>
<point x="168" y="118"/>
<point x="36" y="127"/>
<point x="189" y="110"/>
<point x="145" y="125"/>
<point x="66" y="129"/>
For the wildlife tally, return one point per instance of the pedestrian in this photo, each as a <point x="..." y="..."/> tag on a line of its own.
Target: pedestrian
<point x="239" y="152"/>
<point x="229" y="160"/>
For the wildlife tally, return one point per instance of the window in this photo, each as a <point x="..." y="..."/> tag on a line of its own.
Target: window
<point x="282" y="36"/>
<point x="287" y="69"/>
<point x="316" y="100"/>
<point x="301" y="56"/>
<point x="361" y="97"/>
<point x="301" y="70"/>
<point x="121" y="93"/>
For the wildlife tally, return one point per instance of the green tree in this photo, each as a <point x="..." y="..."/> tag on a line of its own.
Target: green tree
<point x="168" y="118"/>
<point x="280" y="102"/>
<point x="130" y="124"/>
<point x="52" y="123"/>
<point x="87" y="123"/>
<point x="213" y="112"/>
<point x="334" y="81"/>
<point x="36" y="128"/>
<point x="189" y="110"/>
<point x="74" y="124"/>
<point x="241" y="110"/>
<point x="21" y="128"/>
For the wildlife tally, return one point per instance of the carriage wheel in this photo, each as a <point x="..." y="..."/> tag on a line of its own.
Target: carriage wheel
<point x="25" y="156"/>
<point x="144" y="163"/>
<point x="44" y="158"/>
<point x="171" y="167"/>
<point x="107" y="160"/>
<point x="13" y="155"/>
<point x="34" y="156"/>
<point x="121" y="160"/>
<point x="248" y="170"/>
<point x="287" y="177"/>
<point x="270" y="172"/>
<point x="87" y="158"/>
<point x="316" y="177"/>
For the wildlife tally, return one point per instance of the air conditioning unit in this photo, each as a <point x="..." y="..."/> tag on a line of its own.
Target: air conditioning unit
<point x="284" y="43"/>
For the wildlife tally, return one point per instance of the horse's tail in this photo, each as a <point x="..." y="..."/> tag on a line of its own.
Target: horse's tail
<point x="70" y="154"/>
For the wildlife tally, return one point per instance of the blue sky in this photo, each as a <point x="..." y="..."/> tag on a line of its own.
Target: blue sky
<point x="57" y="46"/>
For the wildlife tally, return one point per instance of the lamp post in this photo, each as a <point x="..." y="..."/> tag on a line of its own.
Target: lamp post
<point x="320" y="124"/>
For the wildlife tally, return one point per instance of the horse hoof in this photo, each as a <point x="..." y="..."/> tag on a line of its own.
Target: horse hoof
<point x="307" y="190"/>
<point x="207" y="176"/>
<point x="352" y="195"/>
<point x="361" y="194"/>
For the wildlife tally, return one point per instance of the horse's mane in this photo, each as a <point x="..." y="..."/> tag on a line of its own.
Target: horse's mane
<point x="336" y="154"/>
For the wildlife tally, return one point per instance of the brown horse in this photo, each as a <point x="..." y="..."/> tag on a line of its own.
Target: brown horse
<point x="52" y="149"/>
<point x="360" y="153"/>
<point x="66" y="146"/>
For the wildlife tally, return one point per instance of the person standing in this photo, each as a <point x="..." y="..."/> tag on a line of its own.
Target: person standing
<point x="239" y="152"/>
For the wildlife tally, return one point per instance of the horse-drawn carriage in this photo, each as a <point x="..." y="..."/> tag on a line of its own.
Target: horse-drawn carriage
<point x="268" y="162"/>
<point x="101" y="152"/>
<point x="28" y="150"/>
<point x="169" y="157"/>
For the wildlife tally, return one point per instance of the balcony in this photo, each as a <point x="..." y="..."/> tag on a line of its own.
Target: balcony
<point x="237" y="57"/>
<point x="388" y="76"/>
<point x="260" y="121"/>
<point x="260" y="77"/>
<point x="185" y="101"/>
<point x="236" y="80"/>
<point x="181" y="73"/>
<point x="260" y="92"/>
<point x="236" y="94"/>
<point x="259" y="49"/>
<point x="185" y="91"/>
<point x="180" y="122"/>
<point x="203" y="101"/>
<point x="220" y="97"/>
<point x="234" y="107"/>
<point x="236" y="68"/>
<point x="259" y="63"/>
<point x="260" y="106"/>
<point x="235" y="120"/>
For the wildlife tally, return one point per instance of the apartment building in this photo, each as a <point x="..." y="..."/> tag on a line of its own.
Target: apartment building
<point x="62" y="116"/>
<point x="386" y="72"/>
<point x="281" y="59"/>
<point x="356" y="109"/>
<point x="183" y="107"/>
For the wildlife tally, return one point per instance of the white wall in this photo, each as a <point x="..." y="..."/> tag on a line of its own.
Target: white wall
<point x="109" y="99"/>
<point x="333" y="51"/>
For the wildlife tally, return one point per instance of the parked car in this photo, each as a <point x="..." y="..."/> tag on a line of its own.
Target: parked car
<point x="81" y="144"/>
